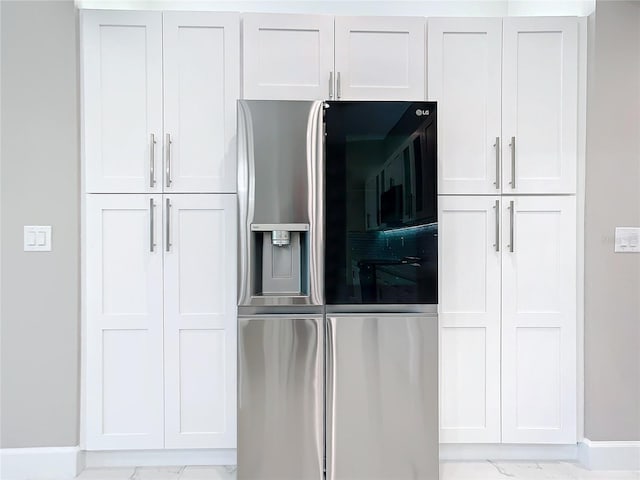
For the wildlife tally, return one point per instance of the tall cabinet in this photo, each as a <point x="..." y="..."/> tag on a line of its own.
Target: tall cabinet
<point x="507" y="93"/>
<point x="159" y="92"/>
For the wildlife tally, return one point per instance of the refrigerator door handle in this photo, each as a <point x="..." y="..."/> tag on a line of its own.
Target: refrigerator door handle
<point x="329" y="390"/>
<point x="315" y="178"/>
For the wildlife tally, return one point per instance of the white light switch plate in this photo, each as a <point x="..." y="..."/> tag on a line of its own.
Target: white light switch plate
<point x="627" y="239"/>
<point x="37" y="238"/>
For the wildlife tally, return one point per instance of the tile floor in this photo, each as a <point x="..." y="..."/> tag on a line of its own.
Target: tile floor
<point x="448" y="471"/>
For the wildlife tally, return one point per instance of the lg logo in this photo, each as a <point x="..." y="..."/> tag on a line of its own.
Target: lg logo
<point x="420" y="112"/>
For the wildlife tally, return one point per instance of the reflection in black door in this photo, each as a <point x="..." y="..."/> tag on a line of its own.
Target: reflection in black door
<point x="381" y="241"/>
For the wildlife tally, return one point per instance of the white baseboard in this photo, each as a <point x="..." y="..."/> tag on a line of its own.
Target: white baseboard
<point x="597" y="455"/>
<point x="479" y="452"/>
<point x="46" y="463"/>
<point x="158" y="458"/>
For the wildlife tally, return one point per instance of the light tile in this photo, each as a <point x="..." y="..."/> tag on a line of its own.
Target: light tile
<point x="113" y="473"/>
<point x="468" y="471"/>
<point x="448" y="471"/>
<point x="209" y="473"/>
<point x="157" y="473"/>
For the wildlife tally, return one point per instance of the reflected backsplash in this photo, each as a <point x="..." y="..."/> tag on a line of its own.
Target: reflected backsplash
<point x="392" y="266"/>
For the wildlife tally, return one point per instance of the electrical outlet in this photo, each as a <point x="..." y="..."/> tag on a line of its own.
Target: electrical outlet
<point x="627" y="239"/>
<point x="37" y="238"/>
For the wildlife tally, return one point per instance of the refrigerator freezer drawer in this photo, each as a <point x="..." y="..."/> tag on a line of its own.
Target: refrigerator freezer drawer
<point x="382" y="397"/>
<point x="280" y="397"/>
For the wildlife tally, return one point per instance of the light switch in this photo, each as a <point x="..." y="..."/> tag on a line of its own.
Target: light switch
<point x="627" y="239"/>
<point x="37" y="238"/>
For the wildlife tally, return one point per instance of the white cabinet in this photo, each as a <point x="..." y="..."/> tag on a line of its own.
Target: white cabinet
<point x="200" y="321"/>
<point x="464" y="78"/>
<point x="122" y="100"/>
<point x="291" y="57"/>
<point x="539" y="320"/>
<point x="507" y="319"/>
<point x="540" y="105"/>
<point x="507" y="99"/>
<point x="123" y="285"/>
<point x="287" y="57"/>
<point x="469" y="316"/>
<point x="201" y="87"/>
<point x="380" y="58"/>
<point x="159" y="93"/>
<point x="160" y="321"/>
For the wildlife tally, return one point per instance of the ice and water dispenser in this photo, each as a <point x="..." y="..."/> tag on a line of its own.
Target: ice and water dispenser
<point x="281" y="260"/>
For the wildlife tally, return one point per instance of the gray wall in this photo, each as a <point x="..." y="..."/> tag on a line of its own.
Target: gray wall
<point x="612" y="280"/>
<point x="40" y="167"/>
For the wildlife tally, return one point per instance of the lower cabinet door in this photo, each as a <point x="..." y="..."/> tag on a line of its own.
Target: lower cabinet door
<point x="469" y="315"/>
<point x="123" y="375"/>
<point x="539" y="320"/>
<point x="281" y="394"/>
<point x="382" y="397"/>
<point x="199" y="233"/>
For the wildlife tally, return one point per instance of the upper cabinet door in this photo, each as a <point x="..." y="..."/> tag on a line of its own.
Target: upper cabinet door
<point x="465" y="58"/>
<point x="287" y="57"/>
<point x="539" y="320"/>
<point x="380" y="58"/>
<point x="200" y="321"/>
<point x="122" y="99"/>
<point x="201" y="86"/>
<point x="539" y="105"/>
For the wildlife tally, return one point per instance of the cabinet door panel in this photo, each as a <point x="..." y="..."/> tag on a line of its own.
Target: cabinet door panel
<point x="465" y="63"/>
<point x="200" y="321"/>
<point x="287" y="57"/>
<point x="539" y="320"/>
<point x="540" y="104"/>
<point x="469" y="305"/>
<point x="122" y="100"/>
<point x="201" y="85"/>
<point x="124" y="375"/>
<point x="380" y="58"/>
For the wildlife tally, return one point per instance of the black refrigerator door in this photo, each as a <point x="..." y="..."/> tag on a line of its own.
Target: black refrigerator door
<point x="381" y="229"/>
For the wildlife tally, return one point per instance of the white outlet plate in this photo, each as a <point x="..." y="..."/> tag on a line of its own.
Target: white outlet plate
<point x="627" y="239"/>
<point x="37" y="238"/>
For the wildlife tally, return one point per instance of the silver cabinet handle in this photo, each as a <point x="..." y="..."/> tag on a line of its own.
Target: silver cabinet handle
<point x="331" y="85"/>
<point x="167" y="142"/>
<point x="497" y="145"/>
<point x="168" y="225"/>
<point x="338" y="85"/>
<point x="511" y="219"/>
<point x="152" y="240"/>
<point x="513" y="162"/>
<point x="152" y="161"/>
<point x="497" y="208"/>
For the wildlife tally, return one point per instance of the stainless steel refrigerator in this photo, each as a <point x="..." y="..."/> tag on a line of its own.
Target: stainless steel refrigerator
<point x="338" y="336"/>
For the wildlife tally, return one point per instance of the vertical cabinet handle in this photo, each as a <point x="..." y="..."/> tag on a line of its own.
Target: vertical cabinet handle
<point x="497" y="208"/>
<point x="168" y="225"/>
<point x="338" y="85"/>
<point x="331" y="85"/>
<point x="511" y="220"/>
<point x="497" y="145"/>
<point x="167" y="141"/>
<point x="152" y="161"/>
<point x="513" y="162"/>
<point x="152" y="240"/>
